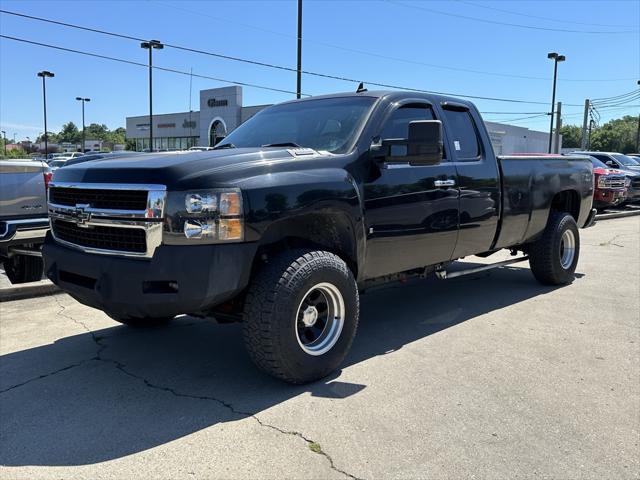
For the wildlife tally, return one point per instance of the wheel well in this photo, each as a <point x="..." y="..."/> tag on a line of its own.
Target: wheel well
<point x="567" y="201"/>
<point x="330" y="232"/>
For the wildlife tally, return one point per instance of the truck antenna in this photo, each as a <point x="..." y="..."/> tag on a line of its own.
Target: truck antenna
<point x="361" y="88"/>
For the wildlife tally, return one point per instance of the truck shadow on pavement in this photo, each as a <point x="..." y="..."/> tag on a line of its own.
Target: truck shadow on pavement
<point x="114" y="392"/>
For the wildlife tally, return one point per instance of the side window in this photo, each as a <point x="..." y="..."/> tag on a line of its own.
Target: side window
<point x="604" y="159"/>
<point x="464" y="137"/>
<point x="397" y="125"/>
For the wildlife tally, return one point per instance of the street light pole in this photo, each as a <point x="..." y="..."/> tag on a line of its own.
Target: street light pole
<point x="556" y="58"/>
<point x="44" y="74"/>
<point x="81" y="99"/>
<point x="299" y="70"/>
<point x="150" y="45"/>
<point x="4" y="138"/>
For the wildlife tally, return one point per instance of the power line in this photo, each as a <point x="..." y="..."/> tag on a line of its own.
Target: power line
<point x="280" y="67"/>
<point x="548" y="19"/>
<point x="388" y="57"/>
<point x="602" y="99"/>
<point x="502" y="120"/>
<point x="139" y="64"/>
<point x="274" y="66"/>
<point x="496" y="22"/>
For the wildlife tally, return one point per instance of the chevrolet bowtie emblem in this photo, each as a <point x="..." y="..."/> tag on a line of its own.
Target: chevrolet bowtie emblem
<point x="80" y="215"/>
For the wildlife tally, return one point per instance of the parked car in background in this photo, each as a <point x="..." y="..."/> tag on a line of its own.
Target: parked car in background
<point x="23" y="217"/>
<point x="630" y="166"/>
<point x="635" y="156"/>
<point x="610" y="185"/>
<point x="56" y="163"/>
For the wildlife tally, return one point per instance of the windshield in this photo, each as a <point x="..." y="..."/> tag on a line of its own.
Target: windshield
<point x="598" y="163"/>
<point x="624" y="160"/>
<point x="328" y="124"/>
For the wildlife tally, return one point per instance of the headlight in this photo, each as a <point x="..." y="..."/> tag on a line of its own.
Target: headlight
<point x="602" y="181"/>
<point x="204" y="216"/>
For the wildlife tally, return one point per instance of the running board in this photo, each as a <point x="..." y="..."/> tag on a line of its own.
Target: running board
<point x="443" y="275"/>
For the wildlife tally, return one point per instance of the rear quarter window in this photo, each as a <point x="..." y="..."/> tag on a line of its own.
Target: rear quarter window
<point x="464" y="137"/>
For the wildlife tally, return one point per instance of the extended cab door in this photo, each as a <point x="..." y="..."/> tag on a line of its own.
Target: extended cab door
<point x="478" y="178"/>
<point x="411" y="211"/>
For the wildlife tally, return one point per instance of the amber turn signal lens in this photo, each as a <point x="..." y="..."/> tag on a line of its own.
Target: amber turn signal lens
<point x="230" y="203"/>
<point x="230" y="229"/>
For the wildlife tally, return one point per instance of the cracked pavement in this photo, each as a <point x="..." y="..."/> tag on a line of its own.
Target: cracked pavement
<point x="498" y="378"/>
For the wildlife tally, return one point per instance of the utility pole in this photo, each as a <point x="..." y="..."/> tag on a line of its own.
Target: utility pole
<point x="558" y="127"/>
<point x="150" y="45"/>
<point x="299" y="72"/>
<point x="585" y="120"/>
<point x="4" y="138"/>
<point x="44" y="74"/>
<point x="81" y="99"/>
<point x="556" y="58"/>
<point x="591" y="125"/>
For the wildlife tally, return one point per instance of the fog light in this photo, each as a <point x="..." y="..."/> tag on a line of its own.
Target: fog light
<point x="197" y="229"/>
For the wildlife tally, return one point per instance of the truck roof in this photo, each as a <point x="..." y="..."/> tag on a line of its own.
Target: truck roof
<point x="391" y="95"/>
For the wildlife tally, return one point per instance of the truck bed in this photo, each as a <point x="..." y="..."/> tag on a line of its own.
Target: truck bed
<point x="529" y="184"/>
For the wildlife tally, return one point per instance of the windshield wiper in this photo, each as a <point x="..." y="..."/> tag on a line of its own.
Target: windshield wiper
<point x="283" y="144"/>
<point x="224" y="145"/>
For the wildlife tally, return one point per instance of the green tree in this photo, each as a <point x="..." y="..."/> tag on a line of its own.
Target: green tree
<point x="618" y="135"/>
<point x="571" y="136"/>
<point x="69" y="133"/>
<point x="97" y="131"/>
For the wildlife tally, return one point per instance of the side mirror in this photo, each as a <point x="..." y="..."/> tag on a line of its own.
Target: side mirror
<point x="423" y="145"/>
<point x="610" y="163"/>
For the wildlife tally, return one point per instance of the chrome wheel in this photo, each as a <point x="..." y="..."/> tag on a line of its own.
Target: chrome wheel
<point x="320" y="318"/>
<point x="567" y="249"/>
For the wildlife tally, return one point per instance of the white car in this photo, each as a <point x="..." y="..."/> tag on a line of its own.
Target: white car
<point x="200" y="149"/>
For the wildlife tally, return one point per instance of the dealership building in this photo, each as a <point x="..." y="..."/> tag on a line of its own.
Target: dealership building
<point x="221" y="111"/>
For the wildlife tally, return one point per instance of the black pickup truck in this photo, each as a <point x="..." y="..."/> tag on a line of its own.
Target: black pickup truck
<point x="299" y="209"/>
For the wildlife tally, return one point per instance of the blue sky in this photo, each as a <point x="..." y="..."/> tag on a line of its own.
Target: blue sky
<point x="421" y="44"/>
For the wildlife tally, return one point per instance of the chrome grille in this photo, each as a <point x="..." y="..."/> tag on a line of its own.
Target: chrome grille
<point x="109" y="219"/>
<point x="106" y="199"/>
<point x="107" y="238"/>
<point x="614" y="182"/>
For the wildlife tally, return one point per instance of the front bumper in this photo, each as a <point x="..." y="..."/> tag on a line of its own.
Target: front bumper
<point x="176" y="280"/>
<point x="18" y="233"/>
<point x="608" y="198"/>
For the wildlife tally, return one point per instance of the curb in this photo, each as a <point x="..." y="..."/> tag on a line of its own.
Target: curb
<point x="609" y="216"/>
<point x="28" y="290"/>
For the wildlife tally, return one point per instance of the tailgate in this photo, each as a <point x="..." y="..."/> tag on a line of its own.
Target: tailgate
<point x="22" y="190"/>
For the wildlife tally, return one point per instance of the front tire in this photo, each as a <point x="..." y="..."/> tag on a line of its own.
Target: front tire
<point x="301" y="315"/>
<point x="23" y="268"/>
<point x="554" y="256"/>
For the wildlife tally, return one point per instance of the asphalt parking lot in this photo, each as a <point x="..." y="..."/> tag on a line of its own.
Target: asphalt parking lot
<point x="486" y="376"/>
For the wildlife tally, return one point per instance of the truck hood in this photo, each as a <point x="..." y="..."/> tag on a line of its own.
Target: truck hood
<point x="187" y="170"/>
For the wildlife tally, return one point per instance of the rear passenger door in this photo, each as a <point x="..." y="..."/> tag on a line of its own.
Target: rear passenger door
<point x="478" y="178"/>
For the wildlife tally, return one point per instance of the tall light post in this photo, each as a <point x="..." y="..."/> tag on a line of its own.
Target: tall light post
<point x="150" y="45"/>
<point x="44" y="74"/>
<point x="556" y="59"/>
<point x="4" y="138"/>
<point x="81" y="99"/>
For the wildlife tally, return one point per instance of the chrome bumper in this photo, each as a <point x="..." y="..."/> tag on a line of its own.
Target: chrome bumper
<point x="27" y="230"/>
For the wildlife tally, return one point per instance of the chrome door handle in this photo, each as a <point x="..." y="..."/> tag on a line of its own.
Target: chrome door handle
<point x="445" y="183"/>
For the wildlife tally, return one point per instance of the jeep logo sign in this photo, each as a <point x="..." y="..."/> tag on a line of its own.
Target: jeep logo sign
<point x="212" y="102"/>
